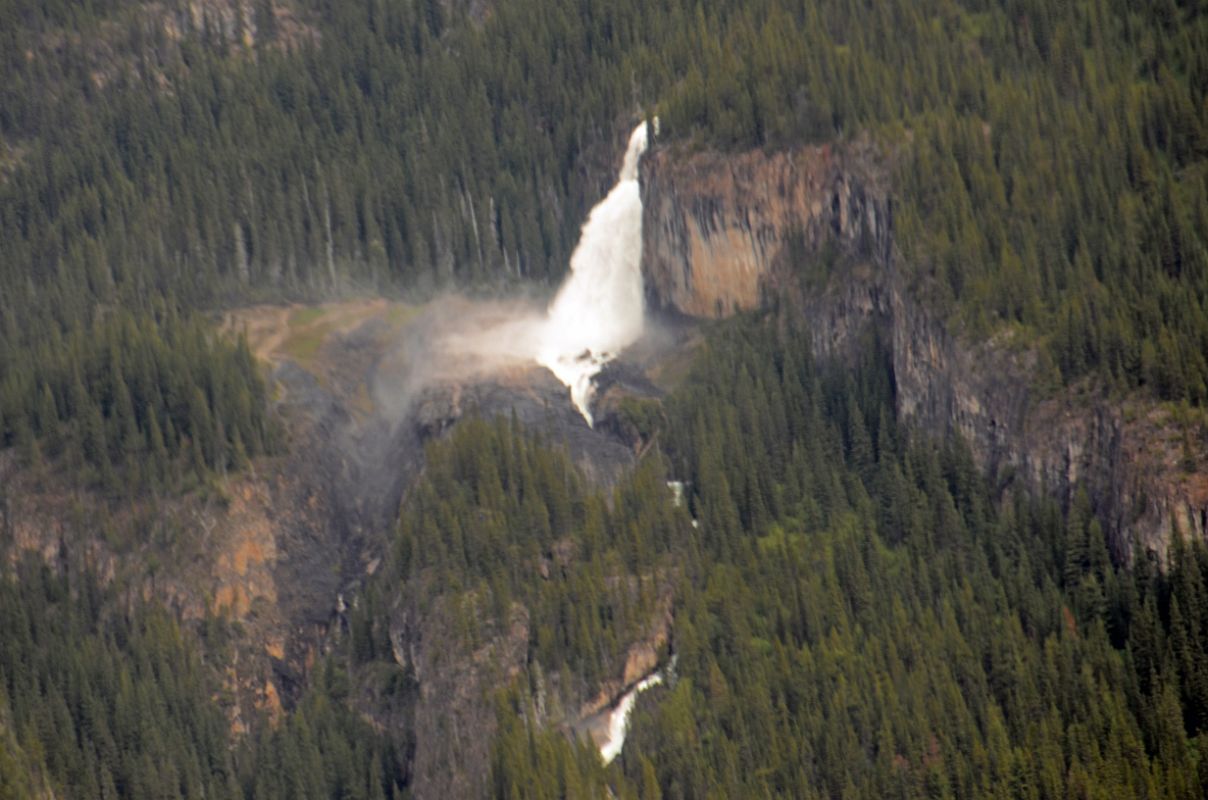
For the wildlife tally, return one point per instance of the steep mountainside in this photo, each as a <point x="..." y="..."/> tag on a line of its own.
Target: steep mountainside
<point x="278" y="554"/>
<point x="812" y="227"/>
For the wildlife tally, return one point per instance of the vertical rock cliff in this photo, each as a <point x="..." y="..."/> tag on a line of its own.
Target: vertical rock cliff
<point x="725" y="232"/>
<point x="716" y="225"/>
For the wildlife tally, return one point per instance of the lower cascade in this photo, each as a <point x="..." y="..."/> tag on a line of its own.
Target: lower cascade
<point x="618" y="719"/>
<point x="599" y="311"/>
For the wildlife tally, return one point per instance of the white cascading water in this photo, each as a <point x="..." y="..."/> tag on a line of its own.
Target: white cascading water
<point x="618" y="721"/>
<point x="599" y="310"/>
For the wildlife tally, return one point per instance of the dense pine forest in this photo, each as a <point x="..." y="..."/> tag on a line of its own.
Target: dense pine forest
<point x="855" y="615"/>
<point x="103" y="705"/>
<point x="853" y="608"/>
<point x="137" y="402"/>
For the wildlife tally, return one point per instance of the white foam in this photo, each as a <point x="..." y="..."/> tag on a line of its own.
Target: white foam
<point x="599" y="311"/>
<point x="618" y="721"/>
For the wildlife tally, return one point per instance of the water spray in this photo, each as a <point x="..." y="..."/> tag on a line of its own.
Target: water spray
<point x="600" y="309"/>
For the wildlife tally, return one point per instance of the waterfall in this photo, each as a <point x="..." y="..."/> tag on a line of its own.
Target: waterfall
<point x="618" y="721"/>
<point x="599" y="310"/>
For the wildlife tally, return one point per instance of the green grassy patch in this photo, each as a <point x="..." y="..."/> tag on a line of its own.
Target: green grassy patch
<point x="400" y="314"/>
<point x="306" y="316"/>
<point x="307" y="334"/>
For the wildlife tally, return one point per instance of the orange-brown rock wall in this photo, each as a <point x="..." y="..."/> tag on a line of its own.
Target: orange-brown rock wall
<point x="716" y="225"/>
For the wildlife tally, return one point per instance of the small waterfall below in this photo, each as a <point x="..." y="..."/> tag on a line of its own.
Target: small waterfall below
<point x="618" y="721"/>
<point x="612" y="739"/>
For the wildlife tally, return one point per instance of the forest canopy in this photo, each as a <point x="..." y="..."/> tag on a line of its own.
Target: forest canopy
<point x="855" y="609"/>
<point x="1051" y="157"/>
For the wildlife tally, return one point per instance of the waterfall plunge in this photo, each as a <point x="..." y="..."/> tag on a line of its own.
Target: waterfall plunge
<point x="599" y="309"/>
<point x="597" y="313"/>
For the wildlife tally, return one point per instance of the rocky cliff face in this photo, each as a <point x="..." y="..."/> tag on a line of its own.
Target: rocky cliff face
<point x="724" y="233"/>
<point x="716" y="225"/>
<point x="283" y="549"/>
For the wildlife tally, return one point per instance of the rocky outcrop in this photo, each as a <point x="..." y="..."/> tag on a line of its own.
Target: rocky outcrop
<point x="206" y="554"/>
<point x="1144" y="478"/>
<point x="728" y="232"/>
<point x="715" y="226"/>
<point x="457" y="654"/>
<point x="641" y="659"/>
